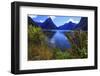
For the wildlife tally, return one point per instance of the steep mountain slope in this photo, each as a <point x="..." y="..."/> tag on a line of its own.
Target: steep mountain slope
<point x="67" y="26"/>
<point x="83" y="24"/>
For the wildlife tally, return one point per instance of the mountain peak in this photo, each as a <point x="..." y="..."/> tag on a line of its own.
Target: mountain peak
<point x="48" y="19"/>
<point x="73" y="21"/>
<point x="70" y="22"/>
<point x="49" y="24"/>
<point x="83" y="24"/>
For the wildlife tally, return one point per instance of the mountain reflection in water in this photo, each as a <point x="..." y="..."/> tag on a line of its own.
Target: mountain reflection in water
<point x="57" y="38"/>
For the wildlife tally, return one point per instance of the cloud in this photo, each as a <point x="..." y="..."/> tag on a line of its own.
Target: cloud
<point x="52" y="17"/>
<point x="33" y="16"/>
<point x="72" y="21"/>
<point x="41" y="20"/>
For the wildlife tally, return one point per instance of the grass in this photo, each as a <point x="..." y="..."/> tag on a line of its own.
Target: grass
<point x="79" y="43"/>
<point x="37" y="48"/>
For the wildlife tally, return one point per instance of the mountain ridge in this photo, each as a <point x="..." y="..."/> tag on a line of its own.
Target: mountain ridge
<point x="49" y="24"/>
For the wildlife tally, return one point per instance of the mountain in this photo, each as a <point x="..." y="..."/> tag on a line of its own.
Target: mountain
<point x="47" y="24"/>
<point x="31" y="22"/>
<point x="67" y="26"/>
<point x="83" y="24"/>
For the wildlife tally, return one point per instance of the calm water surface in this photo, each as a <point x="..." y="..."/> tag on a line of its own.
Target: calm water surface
<point x="58" y="39"/>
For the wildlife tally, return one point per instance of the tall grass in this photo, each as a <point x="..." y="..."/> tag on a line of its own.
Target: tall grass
<point x="37" y="48"/>
<point x="78" y="41"/>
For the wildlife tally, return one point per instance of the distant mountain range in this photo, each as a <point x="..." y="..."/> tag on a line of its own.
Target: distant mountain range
<point x="48" y="24"/>
<point x="68" y="26"/>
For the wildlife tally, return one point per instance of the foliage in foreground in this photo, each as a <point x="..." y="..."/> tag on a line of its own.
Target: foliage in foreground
<point x="39" y="50"/>
<point x="79" y="43"/>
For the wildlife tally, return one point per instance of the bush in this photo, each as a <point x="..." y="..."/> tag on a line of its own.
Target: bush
<point x="37" y="48"/>
<point x="35" y="34"/>
<point x="79" y="43"/>
<point x="59" y="54"/>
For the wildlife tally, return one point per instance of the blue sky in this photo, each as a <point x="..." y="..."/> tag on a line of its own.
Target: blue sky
<point x="58" y="20"/>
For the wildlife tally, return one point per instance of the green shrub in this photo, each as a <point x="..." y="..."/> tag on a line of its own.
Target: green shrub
<point x="59" y="54"/>
<point x="35" y="34"/>
<point x="37" y="48"/>
<point x="79" y="43"/>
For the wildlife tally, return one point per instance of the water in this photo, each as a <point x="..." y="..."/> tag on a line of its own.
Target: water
<point x="58" y="39"/>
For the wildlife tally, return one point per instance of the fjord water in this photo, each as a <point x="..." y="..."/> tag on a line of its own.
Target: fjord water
<point x="58" y="39"/>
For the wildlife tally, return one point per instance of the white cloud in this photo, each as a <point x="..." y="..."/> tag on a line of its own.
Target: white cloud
<point x="32" y="16"/>
<point x="72" y="21"/>
<point x="41" y="20"/>
<point x="52" y="17"/>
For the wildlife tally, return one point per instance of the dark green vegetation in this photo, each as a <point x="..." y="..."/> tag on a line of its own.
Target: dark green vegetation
<point x="38" y="49"/>
<point x="79" y="43"/>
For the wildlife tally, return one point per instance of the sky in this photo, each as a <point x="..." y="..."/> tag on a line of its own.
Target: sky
<point x="58" y="20"/>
